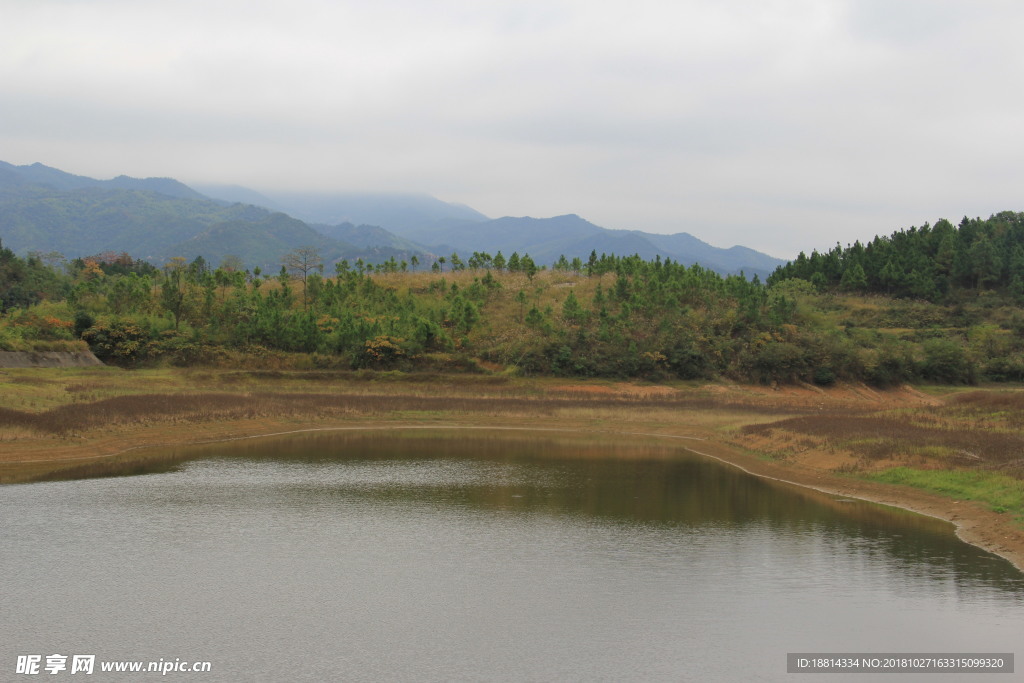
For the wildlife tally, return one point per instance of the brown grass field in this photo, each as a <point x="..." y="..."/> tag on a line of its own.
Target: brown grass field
<point x="957" y="455"/>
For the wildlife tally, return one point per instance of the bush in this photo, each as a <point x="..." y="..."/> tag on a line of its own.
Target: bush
<point x="781" y="362"/>
<point x="945" y="361"/>
<point x="384" y="351"/>
<point x="120" y="342"/>
<point x="1004" y="369"/>
<point x="824" y="376"/>
<point x="83" y="321"/>
<point x="182" y="350"/>
<point x="890" y="364"/>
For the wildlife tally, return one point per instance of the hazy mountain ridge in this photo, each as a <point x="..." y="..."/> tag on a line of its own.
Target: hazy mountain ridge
<point x="442" y="228"/>
<point x="263" y="242"/>
<point x="546" y="239"/>
<point x="45" y="209"/>
<point x="84" y="221"/>
<point x="38" y="174"/>
<point x="399" y="213"/>
<point x="367" y="236"/>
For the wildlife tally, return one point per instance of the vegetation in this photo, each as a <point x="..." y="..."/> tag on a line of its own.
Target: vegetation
<point x="939" y="263"/>
<point x="819" y="319"/>
<point x="1001" y="493"/>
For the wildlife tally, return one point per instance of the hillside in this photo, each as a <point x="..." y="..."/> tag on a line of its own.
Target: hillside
<point x="88" y="220"/>
<point x="37" y="174"/>
<point x="610" y="316"/>
<point x="46" y="210"/>
<point x="263" y="242"/>
<point x="366" y="236"/>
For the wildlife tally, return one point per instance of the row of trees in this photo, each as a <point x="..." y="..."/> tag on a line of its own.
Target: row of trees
<point x="932" y="262"/>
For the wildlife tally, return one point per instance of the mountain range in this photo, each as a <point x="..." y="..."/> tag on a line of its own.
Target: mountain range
<point x="44" y="209"/>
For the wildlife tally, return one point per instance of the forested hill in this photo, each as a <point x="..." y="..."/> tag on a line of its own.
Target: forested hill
<point x="931" y="262"/>
<point x="609" y="316"/>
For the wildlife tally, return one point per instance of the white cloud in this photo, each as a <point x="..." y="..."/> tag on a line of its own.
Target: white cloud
<point x="779" y="124"/>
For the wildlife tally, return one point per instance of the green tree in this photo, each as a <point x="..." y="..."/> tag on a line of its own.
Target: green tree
<point x="854" y="279"/>
<point x="527" y="265"/>
<point x="175" y="296"/>
<point x="985" y="262"/>
<point x="572" y="311"/>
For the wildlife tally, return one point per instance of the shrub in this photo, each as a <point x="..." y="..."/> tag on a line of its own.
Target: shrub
<point x="780" y="361"/>
<point x="383" y="351"/>
<point x="824" y="376"/>
<point x="120" y="342"/>
<point x="82" y="322"/>
<point x="946" y="361"/>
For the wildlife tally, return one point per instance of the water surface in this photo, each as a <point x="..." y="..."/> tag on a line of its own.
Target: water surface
<point x="473" y="555"/>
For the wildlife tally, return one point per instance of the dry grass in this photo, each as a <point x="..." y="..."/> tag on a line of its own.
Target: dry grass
<point x="978" y="430"/>
<point x="76" y="402"/>
<point x="974" y="429"/>
<point x="77" y="418"/>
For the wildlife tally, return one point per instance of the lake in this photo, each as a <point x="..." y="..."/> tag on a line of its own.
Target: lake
<point x="437" y="555"/>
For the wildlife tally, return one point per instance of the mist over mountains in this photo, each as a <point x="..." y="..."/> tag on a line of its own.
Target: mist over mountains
<point x="45" y="209"/>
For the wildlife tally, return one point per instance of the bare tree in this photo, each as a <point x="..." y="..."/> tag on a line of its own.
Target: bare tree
<point x="303" y="261"/>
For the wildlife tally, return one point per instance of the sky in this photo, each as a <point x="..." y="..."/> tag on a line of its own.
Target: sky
<point x="781" y="125"/>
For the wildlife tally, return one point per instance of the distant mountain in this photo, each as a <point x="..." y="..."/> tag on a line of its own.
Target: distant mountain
<point x="368" y="236"/>
<point x="259" y="242"/>
<point x="546" y="239"/>
<point x="395" y="212"/>
<point x="89" y="220"/>
<point x="410" y="221"/>
<point x="45" y="209"/>
<point x="236" y="194"/>
<point x="38" y="174"/>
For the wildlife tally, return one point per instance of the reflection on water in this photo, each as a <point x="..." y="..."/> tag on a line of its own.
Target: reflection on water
<point x="433" y="555"/>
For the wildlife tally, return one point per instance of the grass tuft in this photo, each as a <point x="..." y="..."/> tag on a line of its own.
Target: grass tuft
<point x="999" y="492"/>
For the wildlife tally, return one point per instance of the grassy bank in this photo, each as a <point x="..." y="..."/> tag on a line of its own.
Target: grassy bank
<point x="1001" y="493"/>
<point x="966" y="445"/>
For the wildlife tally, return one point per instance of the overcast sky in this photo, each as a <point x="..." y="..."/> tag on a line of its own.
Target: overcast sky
<point x="783" y="125"/>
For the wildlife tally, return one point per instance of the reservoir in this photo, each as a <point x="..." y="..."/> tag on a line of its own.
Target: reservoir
<point x="508" y="555"/>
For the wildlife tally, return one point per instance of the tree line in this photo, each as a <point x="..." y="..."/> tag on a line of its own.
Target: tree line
<point x="604" y="316"/>
<point x="931" y="262"/>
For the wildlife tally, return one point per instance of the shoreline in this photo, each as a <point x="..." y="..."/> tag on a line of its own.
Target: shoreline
<point x="972" y="523"/>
